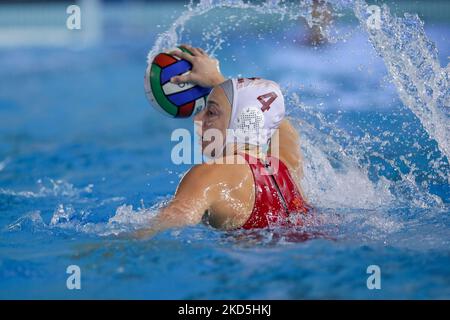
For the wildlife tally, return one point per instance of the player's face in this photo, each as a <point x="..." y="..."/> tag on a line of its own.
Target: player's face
<point x="213" y="121"/>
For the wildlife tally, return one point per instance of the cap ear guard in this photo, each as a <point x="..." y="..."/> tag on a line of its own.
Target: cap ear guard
<point x="227" y="87"/>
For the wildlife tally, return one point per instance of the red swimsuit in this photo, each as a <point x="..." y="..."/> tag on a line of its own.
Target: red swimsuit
<point x="276" y="195"/>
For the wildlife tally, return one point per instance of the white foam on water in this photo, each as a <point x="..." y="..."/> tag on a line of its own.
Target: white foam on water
<point x="346" y="187"/>
<point x="50" y="187"/>
<point x="66" y="218"/>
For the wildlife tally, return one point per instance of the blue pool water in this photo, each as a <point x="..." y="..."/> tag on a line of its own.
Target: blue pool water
<point x="83" y="156"/>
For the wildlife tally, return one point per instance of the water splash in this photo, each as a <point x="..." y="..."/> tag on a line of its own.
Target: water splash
<point x="66" y="219"/>
<point x="173" y="36"/>
<point x="412" y="62"/>
<point x="339" y="167"/>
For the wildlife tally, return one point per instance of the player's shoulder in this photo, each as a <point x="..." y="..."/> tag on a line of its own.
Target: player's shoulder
<point x="217" y="169"/>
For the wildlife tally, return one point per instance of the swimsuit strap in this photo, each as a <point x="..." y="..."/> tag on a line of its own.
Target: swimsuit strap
<point x="276" y="194"/>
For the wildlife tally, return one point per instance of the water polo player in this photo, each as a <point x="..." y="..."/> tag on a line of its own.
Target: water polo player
<point x="252" y="180"/>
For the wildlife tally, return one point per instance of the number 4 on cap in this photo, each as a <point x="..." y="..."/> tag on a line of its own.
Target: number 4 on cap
<point x="266" y="100"/>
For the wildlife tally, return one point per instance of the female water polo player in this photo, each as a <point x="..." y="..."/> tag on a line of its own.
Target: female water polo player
<point x="252" y="180"/>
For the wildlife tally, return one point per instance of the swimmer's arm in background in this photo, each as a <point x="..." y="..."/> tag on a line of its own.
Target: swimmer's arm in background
<point x="205" y="70"/>
<point x="192" y="198"/>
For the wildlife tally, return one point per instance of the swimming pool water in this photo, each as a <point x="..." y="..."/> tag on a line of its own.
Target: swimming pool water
<point x="79" y="145"/>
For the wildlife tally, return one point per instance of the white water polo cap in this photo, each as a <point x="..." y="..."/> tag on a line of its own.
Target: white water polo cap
<point x="257" y="109"/>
